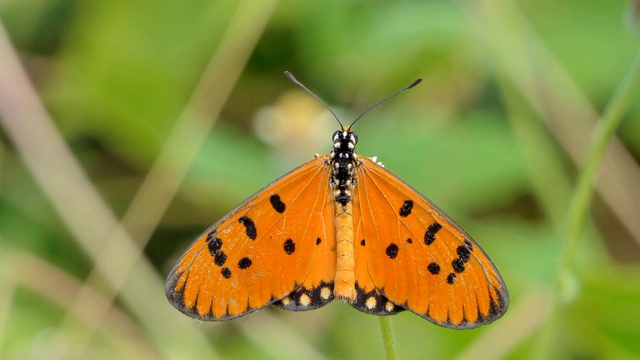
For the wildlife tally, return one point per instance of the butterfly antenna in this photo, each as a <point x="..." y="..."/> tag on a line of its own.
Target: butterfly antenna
<point x="295" y="81"/>
<point x="414" y="83"/>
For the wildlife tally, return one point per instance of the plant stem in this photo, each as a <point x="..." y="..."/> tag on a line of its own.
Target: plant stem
<point x="609" y="122"/>
<point x="388" y="338"/>
<point x="583" y="195"/>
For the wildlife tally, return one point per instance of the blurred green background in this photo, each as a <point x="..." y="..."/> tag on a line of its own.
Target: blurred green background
<point x="152" y="119"/>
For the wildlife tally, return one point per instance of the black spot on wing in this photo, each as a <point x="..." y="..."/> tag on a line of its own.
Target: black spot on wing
<point x="318" y="241"/>
<point x="392" y="251"/>
<point x="451" y="278"/>
<point x="363" y="242"/>
<point x="289" y="247"/>
<point x="211" y="234"/>
<point x="250" y="227"/>
<point x="430" y="234"/>
<point x="468" y="244"/>
<point x="409" y="241"/>
<point x="434" y="268"/>
<point x="220" y="258"/>
<point x="277" y="203"/>
<point x="244" y="263"/>
<point x="214" y="244"/>
<point x="226" y="272"/>
<point x="406" y="208"/>
<point x="463" y="253"/>
<point x="458" y="265"/>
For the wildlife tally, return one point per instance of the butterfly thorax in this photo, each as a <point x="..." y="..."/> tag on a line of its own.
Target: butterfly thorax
<point x="343" y="161"/>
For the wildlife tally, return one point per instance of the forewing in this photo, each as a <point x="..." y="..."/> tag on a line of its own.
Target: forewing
<point x="418" y="258"/>
<point x="262" y="251"/>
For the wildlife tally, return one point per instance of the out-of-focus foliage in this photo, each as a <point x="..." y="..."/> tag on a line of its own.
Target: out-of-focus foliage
<point x="495" y="136"/>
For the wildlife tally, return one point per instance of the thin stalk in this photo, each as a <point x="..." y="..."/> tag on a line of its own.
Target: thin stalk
<point x="583" y="195"/>
<point x="389" y="339"/>
<point x="566" y="281"/>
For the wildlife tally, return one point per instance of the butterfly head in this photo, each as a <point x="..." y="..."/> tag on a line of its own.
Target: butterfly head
<point x="344" y="140"/>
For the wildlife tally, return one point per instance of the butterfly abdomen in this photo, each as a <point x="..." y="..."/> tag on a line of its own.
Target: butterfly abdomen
<point x="345" y="280"/>
<point x="343" y="162"/>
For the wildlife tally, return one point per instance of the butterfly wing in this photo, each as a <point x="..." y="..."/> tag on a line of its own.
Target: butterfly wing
<point x="277" y="246"/>
<point x="409" y="252"/>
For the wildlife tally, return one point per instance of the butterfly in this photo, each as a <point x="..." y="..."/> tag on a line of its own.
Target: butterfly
<point x="340" y="226"/>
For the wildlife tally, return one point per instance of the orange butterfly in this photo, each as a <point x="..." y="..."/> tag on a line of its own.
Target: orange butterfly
<point x="340" y="226"/>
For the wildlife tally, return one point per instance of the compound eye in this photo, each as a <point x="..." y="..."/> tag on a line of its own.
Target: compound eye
<point x="355" y="138"/>
<point x="335" y="136"/>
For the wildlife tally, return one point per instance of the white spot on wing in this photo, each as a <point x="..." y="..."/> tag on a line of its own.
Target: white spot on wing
<point x="388" y="306"/>
<point x="305" y="300"/>
<point x="325" y="293"/>
<point x="371" y="303"/>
